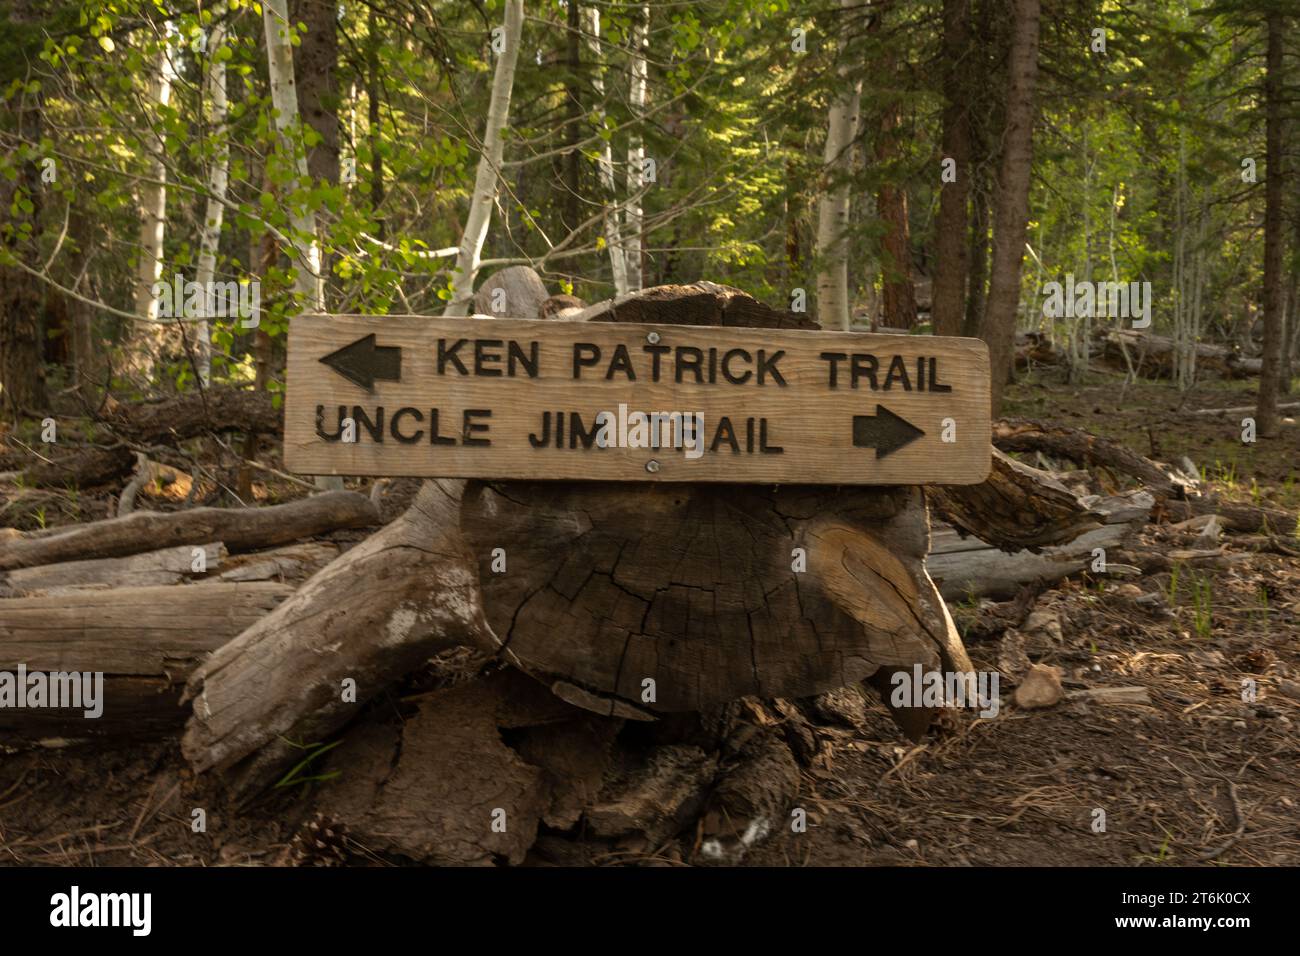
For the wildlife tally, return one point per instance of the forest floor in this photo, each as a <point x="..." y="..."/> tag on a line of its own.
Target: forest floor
<point x="1194" y="775"/>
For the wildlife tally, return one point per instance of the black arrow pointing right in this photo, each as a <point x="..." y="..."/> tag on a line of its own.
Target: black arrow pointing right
<point x="885" y="432"/>
<point x="363" y="362"/>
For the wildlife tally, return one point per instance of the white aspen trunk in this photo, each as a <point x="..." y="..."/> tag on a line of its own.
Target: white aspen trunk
<point x="489" y="166"/>
<point x="153" y="221"/>
<point x="605" y="164"/>
<point x="636" y="149"/>
<point x="835" y="203"/>
<point x="218" y="178"/>
<point x="308" y="281"/>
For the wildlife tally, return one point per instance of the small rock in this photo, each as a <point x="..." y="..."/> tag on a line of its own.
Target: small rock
<point x="1041" y="687"/>
<point x="1288" y="688"/>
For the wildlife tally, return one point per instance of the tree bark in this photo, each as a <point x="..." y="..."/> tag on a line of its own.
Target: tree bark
<point x="147" y="336"/>
<point x="1011" y="213"/>
<point x="314" y="66"/>
<point x="572" y="201"/>
<point x="605" y="165"/>
<point x="22" y="365"/>
<point x="835" y="204"/>
<point x="636" y="148"/>
<point x="951" y="230"/>
<point x="279" y="29"/>
<point x="897" y="292"/>
<point x="1268" y="422"/>
<point x="218" y="178"/>
<point x="489" y="165"/>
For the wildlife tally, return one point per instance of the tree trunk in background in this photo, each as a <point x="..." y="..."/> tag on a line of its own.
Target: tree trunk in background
<point x="613" y="236"/>
<point x="951" y="250"/>
<point x="318" y="99"/>
<point x="147" y="336"/>
<point x="977" y="280"/>
<point x="891" y="204"/>
<point x="572" y="203"/>
<point x="218" y="177"/>
<point x="1011" y="206"/>
<point x="636" y="147"/>
<point x="22" y="373"/>
<point x="373" y="87"/>
<point x="1267" y="422"/>
<point x="314" y="66"/>
<point x="489" y="165"/>
<point x="284" y="97"/>
<point x="833" y="306"/>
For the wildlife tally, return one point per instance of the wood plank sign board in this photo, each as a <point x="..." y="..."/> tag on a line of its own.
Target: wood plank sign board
<point x="526" y="399"/>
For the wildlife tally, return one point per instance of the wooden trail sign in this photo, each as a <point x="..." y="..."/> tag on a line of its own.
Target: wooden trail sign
<point x="526" y="399"/>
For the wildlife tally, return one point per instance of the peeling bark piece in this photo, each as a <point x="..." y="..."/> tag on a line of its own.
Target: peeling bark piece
<point x="436" y="804"/>
<point x="293" y="563"/>
<point x="240" y="529"/>
<point x="574" y="756"/>
<point x="372" y="616"/>
<point x="656" y="799"/>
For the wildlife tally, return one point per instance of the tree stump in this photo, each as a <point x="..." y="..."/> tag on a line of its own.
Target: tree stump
<point x="709" y="592"/>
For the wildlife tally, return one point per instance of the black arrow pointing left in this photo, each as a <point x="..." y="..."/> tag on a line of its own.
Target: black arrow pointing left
<point x="363" y="363"/>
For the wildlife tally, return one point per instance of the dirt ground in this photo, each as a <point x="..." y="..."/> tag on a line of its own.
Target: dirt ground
<point x="1195" y="775"/>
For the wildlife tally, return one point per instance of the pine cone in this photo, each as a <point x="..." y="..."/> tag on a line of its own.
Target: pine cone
<point x="321" y="842"/>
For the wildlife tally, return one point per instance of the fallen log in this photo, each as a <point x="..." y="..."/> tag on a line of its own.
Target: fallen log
<point x="1061" y="441"/>
<point x="1243" y="409"/>
<point x="144" y="640"/>
<point x="165" y="566"/>
<point x="1018" y="507"/>
<point x="1157" y="355"/>
<point x="1035" y="348"/>
<point x="964" y="568"/>
<point x="240" y="529"/>
<point x="371" y="616"/>
<point x="163" y="422"/>
<point x="1242" y="518"/>
<point x="1172" y="491"/>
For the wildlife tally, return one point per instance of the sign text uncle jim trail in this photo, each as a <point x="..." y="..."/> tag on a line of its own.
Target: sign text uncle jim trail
<point x="514" y="398"/>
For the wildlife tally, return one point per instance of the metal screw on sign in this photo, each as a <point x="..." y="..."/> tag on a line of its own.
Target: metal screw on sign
<point x="652" y="338"/>
<point x="652" y="465"/>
